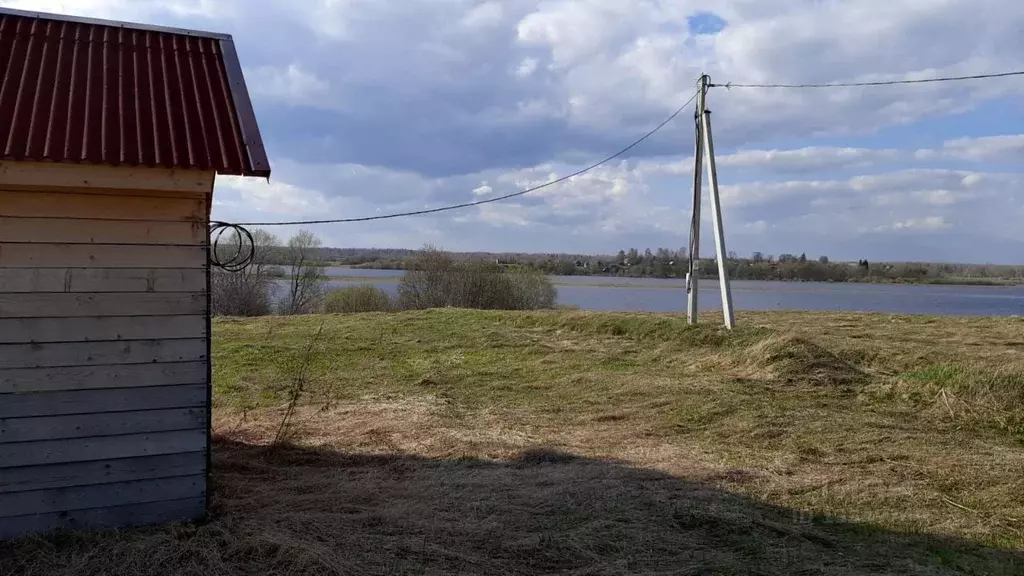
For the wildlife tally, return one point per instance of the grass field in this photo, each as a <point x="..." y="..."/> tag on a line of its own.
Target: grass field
<point x="465" y="442"/>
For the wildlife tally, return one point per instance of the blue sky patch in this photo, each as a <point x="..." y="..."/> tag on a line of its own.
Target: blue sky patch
<point x="705" y="23"/>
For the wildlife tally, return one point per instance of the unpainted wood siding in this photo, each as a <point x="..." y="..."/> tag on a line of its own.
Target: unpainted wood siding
<point x="104" y="346"/>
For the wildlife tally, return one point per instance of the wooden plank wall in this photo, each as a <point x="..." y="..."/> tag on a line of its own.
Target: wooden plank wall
<point x="104" y="367"/>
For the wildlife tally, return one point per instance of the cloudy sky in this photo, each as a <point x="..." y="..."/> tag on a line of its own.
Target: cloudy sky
<point x="376" y="106"/>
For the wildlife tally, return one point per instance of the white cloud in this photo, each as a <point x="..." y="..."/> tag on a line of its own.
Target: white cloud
<point x="808" y="159"/>
<point x="527" y="67"/>
<point x="910" y="186"/>
<point x="129" y="10"/>
<point x="603" y="188"/>
<point x="275" y="197"/>
<point x="483" y="190"/>
<point x="926" y="223"/>
<point x="755" y="227"/>
<point x="330" y="18"/>
<point x="93" y="8"/>
<point x="1009" y="148"/>
<point x="498" y="216"/>
<point x="485" y="15"/>
<point x="940" y="197"/>
<point x="623" y="52"/>
<point x="290" y="85"/>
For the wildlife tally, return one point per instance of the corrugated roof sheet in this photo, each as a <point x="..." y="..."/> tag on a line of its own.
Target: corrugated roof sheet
<point x="98" y="92"/>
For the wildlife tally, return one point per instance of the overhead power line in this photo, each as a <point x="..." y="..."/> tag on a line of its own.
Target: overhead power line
<point x="876" y="83"/>
<point x="488" y="200"/>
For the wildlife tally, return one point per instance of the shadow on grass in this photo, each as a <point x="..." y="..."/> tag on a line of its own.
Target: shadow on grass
<point x="297" y="511"/>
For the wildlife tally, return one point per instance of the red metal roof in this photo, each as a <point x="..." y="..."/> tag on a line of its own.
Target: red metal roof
<point x="101" y="92"/>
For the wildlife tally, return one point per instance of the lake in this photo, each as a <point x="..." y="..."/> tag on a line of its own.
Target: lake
<point x="669" y="295"/>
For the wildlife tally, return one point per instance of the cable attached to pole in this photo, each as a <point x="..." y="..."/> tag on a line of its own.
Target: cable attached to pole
<point x="874" y="83"/>
<point x="244" y="246"/>
<point x="488" y="200"/>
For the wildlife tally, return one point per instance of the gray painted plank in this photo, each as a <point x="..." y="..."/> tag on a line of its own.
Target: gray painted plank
<point x="102" y="280"/>
<point x="63" y="180"/>
<point x="101" y="495"/>
<point x="101" y="400"/>
<point x="38" y="204"/>
<point x="189" y="509"/>
<point x="94" y="353"/>
<point x="91" y="377"/>
<point x="46" y="255"/>
<point x="85" y="329"/>
<point x="70" y="305"/>
<point x="100" y="448"/>
<point x="101" y="471"/>
<point x="104" y="424"/>
<point x="101" y="231"/>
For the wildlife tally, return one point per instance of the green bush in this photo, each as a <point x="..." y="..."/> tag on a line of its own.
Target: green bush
<point x="435" y="280"/>
<point x="362" y="298"/>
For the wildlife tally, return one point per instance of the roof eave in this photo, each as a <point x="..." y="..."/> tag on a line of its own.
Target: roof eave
<point x="251" y="137"/>
<point x="114" y="23"/>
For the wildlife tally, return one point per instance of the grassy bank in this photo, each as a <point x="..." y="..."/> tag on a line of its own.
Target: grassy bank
<point x="464" y="442"/>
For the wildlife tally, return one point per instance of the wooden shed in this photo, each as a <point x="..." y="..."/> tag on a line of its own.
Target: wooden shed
<point x="111" y="135"/>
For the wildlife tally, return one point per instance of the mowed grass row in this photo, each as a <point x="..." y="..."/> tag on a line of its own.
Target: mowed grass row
<point x="469" y="442"/>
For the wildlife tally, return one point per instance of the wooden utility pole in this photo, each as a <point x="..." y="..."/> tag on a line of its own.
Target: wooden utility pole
<point x="705" y="150"/>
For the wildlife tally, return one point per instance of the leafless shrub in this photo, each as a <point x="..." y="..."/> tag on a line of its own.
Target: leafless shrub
<point x="298" y="384"/>
<point x="435" y="280"/>
<point x="250" y="291"/>
<point x="307" y="279"/>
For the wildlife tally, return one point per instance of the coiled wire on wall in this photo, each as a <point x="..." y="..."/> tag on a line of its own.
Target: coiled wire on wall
<point x="239" y="248"/>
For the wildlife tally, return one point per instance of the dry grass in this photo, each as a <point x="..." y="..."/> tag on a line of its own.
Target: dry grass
<point x="459" y="442"/>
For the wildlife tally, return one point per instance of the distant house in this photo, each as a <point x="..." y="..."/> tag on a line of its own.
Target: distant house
<point x="111" y="135"/>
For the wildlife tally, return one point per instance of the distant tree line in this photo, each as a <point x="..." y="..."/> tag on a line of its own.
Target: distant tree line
<point x="666" y="263"/>
<point x="291" y="278"/>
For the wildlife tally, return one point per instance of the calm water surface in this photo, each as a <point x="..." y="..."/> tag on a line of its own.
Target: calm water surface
<point x="668" y="295"/>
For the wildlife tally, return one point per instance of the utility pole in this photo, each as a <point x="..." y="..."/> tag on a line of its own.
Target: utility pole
<point x="692" y="276"/>
<point x="705" y="150"/>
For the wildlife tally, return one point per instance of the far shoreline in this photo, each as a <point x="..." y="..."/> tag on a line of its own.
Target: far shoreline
<point x="612" y="283"/>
